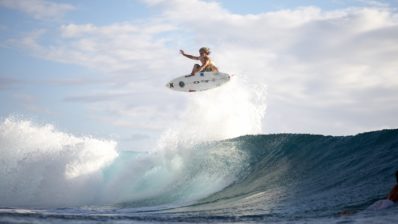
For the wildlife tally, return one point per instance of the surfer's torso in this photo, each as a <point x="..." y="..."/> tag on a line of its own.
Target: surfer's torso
<point x="210" y="65"/>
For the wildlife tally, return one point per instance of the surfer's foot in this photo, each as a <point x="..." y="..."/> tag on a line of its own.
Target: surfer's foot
<point x="189" y="75"/>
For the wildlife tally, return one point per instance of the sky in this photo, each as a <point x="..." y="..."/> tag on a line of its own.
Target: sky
<point x="99" y="68"/>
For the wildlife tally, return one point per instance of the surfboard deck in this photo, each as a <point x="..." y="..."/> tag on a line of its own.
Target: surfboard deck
<point x="201" y="81"/>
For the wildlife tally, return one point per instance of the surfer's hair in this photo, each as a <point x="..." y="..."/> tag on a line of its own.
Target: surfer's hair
<point x="205" y="49"/>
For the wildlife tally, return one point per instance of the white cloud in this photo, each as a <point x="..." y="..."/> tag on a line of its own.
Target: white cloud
<point x="38" y="9"/>
<point x="376" y="3"/>
<point x="124" y="48"/>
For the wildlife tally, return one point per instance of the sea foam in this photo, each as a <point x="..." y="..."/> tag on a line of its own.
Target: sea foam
<point x="43" y="166"/>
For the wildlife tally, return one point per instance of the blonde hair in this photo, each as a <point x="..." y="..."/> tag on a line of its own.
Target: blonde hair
<point x="205" y="49"/>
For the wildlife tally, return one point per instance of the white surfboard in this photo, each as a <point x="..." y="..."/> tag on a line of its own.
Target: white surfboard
<point x="201" y="81"/>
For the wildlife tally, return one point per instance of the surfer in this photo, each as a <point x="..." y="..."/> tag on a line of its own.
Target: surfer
<point x="207" y="63"/>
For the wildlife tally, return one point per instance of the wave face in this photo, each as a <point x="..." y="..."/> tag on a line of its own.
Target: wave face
<point x="254" y="176"/>
<point x="292" y="175"/>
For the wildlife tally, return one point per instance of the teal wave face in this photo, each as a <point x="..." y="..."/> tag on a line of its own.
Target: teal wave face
<point x="305" y="175"/>
<point x="286" y="175"/>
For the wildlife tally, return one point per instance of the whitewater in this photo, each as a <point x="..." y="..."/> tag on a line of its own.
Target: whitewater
<point x="213" y="165"/>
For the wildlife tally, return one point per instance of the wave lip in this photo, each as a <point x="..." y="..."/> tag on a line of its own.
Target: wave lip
<point x="41" y="166"/>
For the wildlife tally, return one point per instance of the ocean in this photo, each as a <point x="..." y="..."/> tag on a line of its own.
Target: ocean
<point x="278" y="178"/>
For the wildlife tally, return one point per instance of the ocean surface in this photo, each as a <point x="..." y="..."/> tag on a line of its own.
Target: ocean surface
<point x="279" y="178"/>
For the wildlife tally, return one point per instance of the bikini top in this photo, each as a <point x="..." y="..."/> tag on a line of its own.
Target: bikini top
<point x="210" y="61"/>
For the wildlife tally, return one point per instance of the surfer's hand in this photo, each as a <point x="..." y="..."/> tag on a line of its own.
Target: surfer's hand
<point x="182" y="52"/>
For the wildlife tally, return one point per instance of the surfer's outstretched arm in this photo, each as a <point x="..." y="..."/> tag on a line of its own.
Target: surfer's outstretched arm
<point x="189" y="56"/>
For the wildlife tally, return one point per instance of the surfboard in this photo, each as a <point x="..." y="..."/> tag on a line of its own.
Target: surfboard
<point x="201" y="81"/>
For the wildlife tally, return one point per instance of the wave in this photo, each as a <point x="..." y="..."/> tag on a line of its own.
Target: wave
<point x="260" y="175"/>
<point x="44" y="167"/>
<point x="292" y="174"/>
<point x="40" y="166"/>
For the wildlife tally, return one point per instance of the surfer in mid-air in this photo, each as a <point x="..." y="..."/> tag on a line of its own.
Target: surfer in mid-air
<point x="207" y="63"/>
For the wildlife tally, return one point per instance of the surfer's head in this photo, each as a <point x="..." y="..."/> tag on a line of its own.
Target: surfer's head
<point x="205" y="50"/>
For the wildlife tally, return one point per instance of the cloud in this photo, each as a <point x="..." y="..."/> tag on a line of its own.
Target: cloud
<point x="121" y="48"/>
<point x="137" y="110"/>
<point x="29" y="41"/>
<point x="96" y="97"/>
<point x="376" y="3"/>
<point x="38" y="9"/>
<point x="7" y="82"/>
<point x="75" y="81"/>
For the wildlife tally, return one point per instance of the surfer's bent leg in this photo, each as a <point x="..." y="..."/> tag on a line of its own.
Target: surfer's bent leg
<point x="195" y="69"/>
